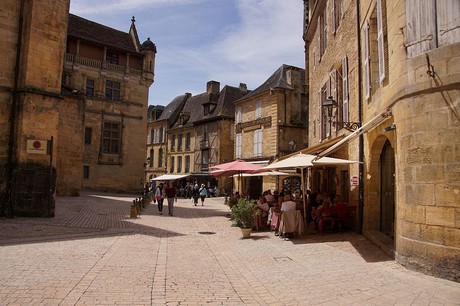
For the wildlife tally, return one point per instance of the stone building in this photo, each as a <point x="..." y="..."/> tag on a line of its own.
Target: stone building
<point x="332" y="65"/>
<point x="407" y="99"/>
<point x="112" y="71"/>
<point x="161" y="119"/>
<point x="270" y="123"/>
<point x="199" y="133"/>
<point x="65" y="80"/>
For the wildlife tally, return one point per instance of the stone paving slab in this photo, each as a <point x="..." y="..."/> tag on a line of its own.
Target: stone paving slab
<point x="92" y="253"/>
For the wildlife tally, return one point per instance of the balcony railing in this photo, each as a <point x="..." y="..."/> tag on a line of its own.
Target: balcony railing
<point x="72" y="58"/>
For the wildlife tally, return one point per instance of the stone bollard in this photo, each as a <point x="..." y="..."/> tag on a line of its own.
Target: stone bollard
<point x="133" y="213"/>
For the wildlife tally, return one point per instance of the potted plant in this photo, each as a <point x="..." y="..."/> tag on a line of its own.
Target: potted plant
<point x="244" y="214"/>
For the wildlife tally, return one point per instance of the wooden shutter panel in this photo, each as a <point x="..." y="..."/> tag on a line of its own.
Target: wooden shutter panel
<point x="367" y="76"/>
<point x="421" y="26"/>
<point x="320" y="116"/>
<point x="380" y="41"/>
<point x="448" y="19"/>
<point x="320" y="33"/>
<point x="328" y="94"/>
<point x="345" y="107"/>
<point x="333" y="23"/>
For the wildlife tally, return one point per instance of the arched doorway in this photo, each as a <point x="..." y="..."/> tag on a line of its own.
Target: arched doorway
<point x="387" y="194"/>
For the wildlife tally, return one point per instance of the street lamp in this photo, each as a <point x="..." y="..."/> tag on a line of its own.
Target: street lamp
<point x="328" y="107"/>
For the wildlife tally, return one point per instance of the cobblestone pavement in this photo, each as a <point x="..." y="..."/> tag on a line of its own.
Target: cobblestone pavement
<point x="92" y="253"/>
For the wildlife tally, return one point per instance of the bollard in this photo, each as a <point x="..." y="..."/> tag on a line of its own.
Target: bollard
<point x="133" y="213"/>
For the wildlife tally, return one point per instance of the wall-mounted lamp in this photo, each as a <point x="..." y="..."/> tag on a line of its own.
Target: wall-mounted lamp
<point x="328" y="108"/>
<point x="392" y="127"/>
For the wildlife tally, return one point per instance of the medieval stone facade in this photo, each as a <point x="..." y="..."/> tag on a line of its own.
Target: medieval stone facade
<point x="270" y="123"/>
<point x="197" y="134"/>
<point x="403" y="89"/>
<point x="77" y="87"/>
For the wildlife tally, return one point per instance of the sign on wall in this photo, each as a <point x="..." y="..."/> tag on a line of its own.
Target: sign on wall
<point x="35" y="146"/>
<point x="354" y="180"/>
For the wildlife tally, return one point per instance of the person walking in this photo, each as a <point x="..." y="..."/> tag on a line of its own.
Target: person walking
<point x="170" y="192"/>
<point x="203" y="193"/>
<point x="160" y="196"/>
<point x="195" y="194"/>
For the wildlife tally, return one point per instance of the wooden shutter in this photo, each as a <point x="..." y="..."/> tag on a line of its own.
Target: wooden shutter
<point x="380" y="41"/>
<point x="448" y="22"/>
<point x="320" y="116"/>
<point x="328" y="94"/>
<point x="345" y="107"/>
<point x="320" y="33"/>
<point x="333" y="23"/>
<point x="367" y="76"/>
<point x="421" y="26"/>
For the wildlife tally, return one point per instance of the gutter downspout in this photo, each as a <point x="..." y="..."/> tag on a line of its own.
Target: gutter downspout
<point x="8" y="207"/>
<point x="359" y="228"/>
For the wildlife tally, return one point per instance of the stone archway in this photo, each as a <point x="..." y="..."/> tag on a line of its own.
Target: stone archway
<point x="379" y="213"/>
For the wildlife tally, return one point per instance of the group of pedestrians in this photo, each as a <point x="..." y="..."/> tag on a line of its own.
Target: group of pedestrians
<point x="170" y="194"/>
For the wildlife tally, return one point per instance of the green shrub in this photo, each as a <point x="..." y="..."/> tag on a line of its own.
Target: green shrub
<point x="244" y="213"/>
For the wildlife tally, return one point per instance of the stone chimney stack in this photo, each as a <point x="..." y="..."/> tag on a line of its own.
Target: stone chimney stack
<point x="243" y="88"/>
<point x="213" y="87"/>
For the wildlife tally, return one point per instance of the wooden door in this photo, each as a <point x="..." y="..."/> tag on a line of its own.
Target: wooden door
<point x="387" y="194"/>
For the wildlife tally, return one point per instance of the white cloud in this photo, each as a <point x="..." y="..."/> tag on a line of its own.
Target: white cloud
<point x="269" y="35"/>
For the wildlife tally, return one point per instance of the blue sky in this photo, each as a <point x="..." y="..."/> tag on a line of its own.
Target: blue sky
<point x="229" y="41"/>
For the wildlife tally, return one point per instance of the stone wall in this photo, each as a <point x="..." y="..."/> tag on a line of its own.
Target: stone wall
<point x="426" y="143"/>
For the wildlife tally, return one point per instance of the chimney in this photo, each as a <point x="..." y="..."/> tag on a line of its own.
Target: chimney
<point x="213" y="87"/>
<point x="243" y="88"/>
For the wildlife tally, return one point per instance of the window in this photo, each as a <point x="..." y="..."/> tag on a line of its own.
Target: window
<point x="171" y="169"/>
<point x="173" y="143"/>
<point x="187" y="141"/>
<point x="111" y="138"/>
<point x="431" y="24"/>
<point x="345" y="107"/>
<point x="336" y="14"/>
<point x="112" y="90"/>
<point x="86" y="172"/>
<point x="187" y="164"/>
<point x="112" y="57"/>
<point x="238" y="145"/>
<point x="179" y="164"/>
<point x="151" y="158"/>
<point x="152" y="136"/>
<point x="375" y="50"/>
<point x="239" y="115"/>
<point x="88" y="135"/>
<point x="258" y="109"/>
<point x="204" y="159"/>
<point x="322" y="33"/>
<point x="160" y="158"/>
<point x="179" y="143"/>
<point x="258" y="142"/>
<point x="90" y="88"/>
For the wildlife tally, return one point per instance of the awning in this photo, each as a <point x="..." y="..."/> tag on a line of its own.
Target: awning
<point x="170" y="177"/>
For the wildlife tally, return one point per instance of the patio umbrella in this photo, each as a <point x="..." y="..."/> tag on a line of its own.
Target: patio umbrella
<point x="234" y="167"/>
<point x="302" y="161"/>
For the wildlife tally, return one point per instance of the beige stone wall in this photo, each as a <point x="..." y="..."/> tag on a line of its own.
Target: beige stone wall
<point x="342" y="43"/>
<point x="69" y="150"/>
<point x="426" y="142"/>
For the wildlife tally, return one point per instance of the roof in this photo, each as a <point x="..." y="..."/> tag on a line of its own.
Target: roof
<point x="173" y="109"/>
<point x="91" y="31"/>
<point x="276" y="80"/>
<point x="223" y="102"/>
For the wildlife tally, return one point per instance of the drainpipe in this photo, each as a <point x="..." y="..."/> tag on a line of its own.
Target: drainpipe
<point x="359" y="229"/>
<point x="8" y="207"/>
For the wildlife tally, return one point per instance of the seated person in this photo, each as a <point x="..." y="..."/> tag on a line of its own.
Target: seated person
<point x="288" y="205"/>
<point x="270" y="198"/>
<point x="262" y="204"/>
